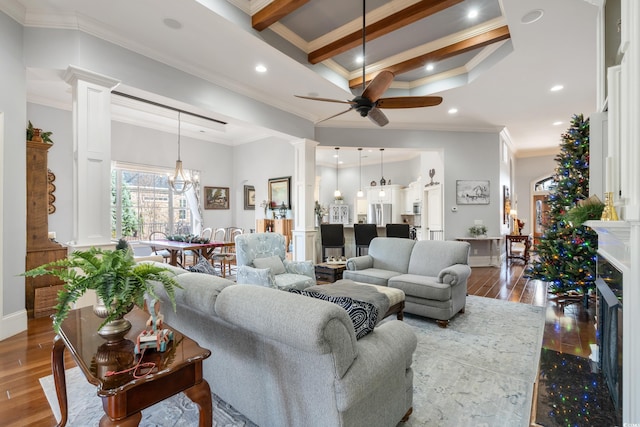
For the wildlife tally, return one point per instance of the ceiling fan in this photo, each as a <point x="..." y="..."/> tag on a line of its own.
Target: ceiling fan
<point x="369" y="103"/>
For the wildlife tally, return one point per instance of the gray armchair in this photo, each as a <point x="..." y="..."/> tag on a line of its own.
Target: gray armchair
<point x="261" y="260"/>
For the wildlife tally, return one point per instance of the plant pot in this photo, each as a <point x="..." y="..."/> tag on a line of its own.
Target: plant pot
<point x="115" y="330"/>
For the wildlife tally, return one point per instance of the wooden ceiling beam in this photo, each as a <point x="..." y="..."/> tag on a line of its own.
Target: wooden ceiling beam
<point x="458" y="48"/>
<point x="395" y="21"/>
<point x="274" y="12"/>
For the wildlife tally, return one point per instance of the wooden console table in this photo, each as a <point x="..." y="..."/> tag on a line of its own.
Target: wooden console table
<point x="522" y="254"/>
<point x="494" y="248"/>
<point x="178" y="369"/>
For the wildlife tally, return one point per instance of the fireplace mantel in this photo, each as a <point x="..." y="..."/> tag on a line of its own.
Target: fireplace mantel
<point x="613" y="242"/>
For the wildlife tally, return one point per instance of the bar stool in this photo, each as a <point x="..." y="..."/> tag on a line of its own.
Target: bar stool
<point x="398" y="230"/>
<point x="332" y="237"/>
<point x="363" y="234"/>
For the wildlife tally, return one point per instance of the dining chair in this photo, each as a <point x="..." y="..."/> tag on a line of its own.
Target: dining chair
<point x="227" y="254"/>
<point x="205" y="235"/>
<point x="159" y="235"/>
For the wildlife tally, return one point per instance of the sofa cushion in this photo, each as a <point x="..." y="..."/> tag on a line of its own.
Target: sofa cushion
<point x="273" y="262"/>
<point x="391" y="253"/>
<point x="374" y="276"/>
<point x="202" y="266"/>
<point x="426" y="287"/>
<point x="364" y="315"/>
<point x="430" y="256"/>
<point x="199" y="291"/>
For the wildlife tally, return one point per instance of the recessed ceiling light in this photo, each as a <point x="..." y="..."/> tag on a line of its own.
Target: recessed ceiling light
<point x="261" y="68"/>
<point x="532" y="16"/>
<point x="359" y="59"/>
<point x="429" y="67"/>
<point x="473" y="13"/>
<point x="556" y="88"/>
<point x="557" y="123"/>
<point x="172" y="23"/>
<point x="453" y="110"/>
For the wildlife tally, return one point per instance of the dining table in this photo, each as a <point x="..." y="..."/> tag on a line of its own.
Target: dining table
<point x="175" y="248"/>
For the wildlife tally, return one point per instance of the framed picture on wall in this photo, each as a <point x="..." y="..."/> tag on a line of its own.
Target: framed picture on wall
<point x="472" y="192"/>
<point x="280" y="191"/>
<point x="249" y="198"/>
<point x="216" y="197"/>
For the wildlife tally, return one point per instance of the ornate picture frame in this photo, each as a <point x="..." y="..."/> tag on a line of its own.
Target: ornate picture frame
<point x="280" y="191"/>
<point x="506" y="204"/>
<point x="472" y="192"/>
<point x="249" y="198"/>
<point x="216" y="197"/>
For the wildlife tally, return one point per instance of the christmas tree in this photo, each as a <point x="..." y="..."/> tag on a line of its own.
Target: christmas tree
<point x="567" y="251"/>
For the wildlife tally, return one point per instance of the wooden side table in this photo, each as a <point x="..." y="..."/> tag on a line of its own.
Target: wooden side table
<point x="523" y="254"/>
<point x="179" y="369"/>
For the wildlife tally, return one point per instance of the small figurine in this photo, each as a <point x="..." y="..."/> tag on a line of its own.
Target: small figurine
<point x="154" y="336"/>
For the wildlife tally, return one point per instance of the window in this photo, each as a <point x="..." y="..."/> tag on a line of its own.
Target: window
<point x="546" y="184"/>
<point x="142" y="202"/>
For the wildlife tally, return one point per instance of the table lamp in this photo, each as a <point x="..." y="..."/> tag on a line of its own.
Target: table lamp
<point x="514" y="215"/>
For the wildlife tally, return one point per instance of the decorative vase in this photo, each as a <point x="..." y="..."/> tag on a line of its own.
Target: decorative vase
<point x="36" y="135"/>
<point x="115" y="330"/>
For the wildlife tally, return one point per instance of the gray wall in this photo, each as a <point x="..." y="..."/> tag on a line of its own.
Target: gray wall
<point x="13" y="105"/>
<point x="465" y="156"/>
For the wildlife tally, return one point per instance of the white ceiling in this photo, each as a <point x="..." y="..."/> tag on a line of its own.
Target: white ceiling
<point x="512" y="94"/>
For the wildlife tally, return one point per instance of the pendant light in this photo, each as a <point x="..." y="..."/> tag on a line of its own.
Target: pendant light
<point x="382" y="180"/>
<point x="360" y="193"/>
<point x="180" y="181"/>
<point x="337" y="193"/>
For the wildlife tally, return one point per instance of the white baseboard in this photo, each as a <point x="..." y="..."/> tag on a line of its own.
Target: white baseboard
<point x="13" y="324"/>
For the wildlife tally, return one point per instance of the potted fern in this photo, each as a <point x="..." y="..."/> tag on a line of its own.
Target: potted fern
<point x="116" y="278"/>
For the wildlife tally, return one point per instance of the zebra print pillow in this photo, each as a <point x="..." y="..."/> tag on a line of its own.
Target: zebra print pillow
<point x="364" y="315"/>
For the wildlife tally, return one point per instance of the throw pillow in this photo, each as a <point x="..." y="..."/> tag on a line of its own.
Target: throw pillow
<point x="202" y="266"/>
<point x="273" y="262"/>
<point x="364" y="315"/>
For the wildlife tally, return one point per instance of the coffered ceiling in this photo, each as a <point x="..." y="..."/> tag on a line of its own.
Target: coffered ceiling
<point x="496" y="69"/>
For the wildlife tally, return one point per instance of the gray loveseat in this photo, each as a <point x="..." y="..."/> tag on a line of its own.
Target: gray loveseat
<point x="289" y="360"/>
<point x="432" y="273"/>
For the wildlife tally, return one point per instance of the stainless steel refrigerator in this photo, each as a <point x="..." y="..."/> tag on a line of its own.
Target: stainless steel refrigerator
<point x="379" y="213"/>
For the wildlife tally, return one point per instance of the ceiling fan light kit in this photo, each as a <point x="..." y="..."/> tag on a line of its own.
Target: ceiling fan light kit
<point x="369" y="103"/>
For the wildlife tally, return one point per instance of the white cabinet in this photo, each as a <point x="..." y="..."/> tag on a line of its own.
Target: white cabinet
<point x="392" y="194"/>
<point x="361" y="206"/>
<point x="339" y="214"/>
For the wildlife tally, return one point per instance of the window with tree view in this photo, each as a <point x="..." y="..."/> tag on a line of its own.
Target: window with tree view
<point x="142" y="202"/>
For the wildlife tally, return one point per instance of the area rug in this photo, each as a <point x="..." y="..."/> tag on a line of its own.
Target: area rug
<point x="477" y="372"/>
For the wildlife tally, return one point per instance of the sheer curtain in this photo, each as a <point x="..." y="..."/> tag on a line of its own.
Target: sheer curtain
<point x="193" y="199"/>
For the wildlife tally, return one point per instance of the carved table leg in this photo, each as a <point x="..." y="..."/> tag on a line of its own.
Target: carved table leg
<point x="200" y="394"/>
<point x="57" y="366"/>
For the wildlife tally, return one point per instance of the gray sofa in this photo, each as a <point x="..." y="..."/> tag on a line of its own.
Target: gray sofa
<point x="290" y="360"/>
<point x="432" y="273"/>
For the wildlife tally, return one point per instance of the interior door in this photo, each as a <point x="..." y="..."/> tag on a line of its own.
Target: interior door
<point x="432" y="214"/>
<point x="541" y="211"/>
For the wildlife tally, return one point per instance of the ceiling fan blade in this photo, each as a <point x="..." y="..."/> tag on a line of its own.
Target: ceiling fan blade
<point x="377" y="117"/>
<point x="335" y="115"/>
<point x="409" y="102"/>
<point x="313" y="98"/>
<point x="378" y="85"/>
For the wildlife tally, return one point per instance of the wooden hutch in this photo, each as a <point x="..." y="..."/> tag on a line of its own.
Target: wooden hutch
<point x="40" y="292"/>
<point x="280" y="226"/>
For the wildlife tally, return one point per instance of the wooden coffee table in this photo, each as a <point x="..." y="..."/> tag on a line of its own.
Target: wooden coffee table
<point x="330" y="272"/>
<point x="178" y="369"/>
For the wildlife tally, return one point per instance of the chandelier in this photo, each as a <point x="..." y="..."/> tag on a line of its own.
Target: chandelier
<point x="180" y="181"/>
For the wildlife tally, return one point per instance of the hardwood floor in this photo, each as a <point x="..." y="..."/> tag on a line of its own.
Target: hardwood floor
<point x="25" y="357"/>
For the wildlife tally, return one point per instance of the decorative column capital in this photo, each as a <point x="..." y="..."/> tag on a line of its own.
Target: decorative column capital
<point x="73" y="74"/>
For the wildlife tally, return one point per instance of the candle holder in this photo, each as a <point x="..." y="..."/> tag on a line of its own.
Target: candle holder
<point x="609" y="213"/>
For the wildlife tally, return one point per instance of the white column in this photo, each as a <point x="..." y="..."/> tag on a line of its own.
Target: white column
<point x="304" y="232"/>
<point x="92" y="157"/>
